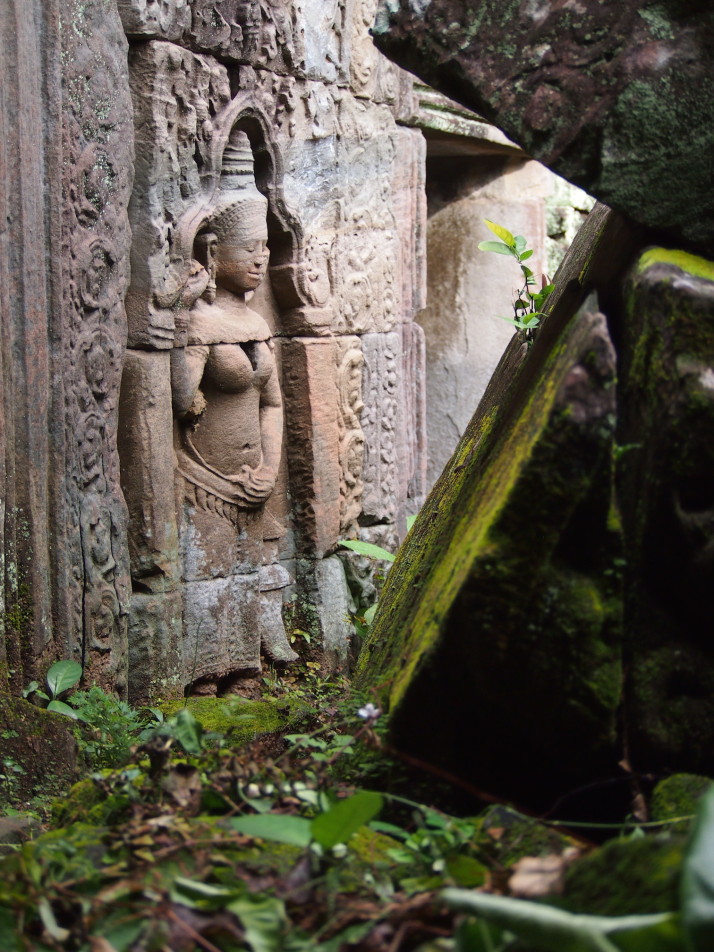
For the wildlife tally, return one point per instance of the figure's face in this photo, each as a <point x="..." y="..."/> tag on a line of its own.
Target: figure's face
<point x="241" y="265"/>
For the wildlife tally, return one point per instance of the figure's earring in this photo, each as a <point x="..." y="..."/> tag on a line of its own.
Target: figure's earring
<point x="205" y="252"/>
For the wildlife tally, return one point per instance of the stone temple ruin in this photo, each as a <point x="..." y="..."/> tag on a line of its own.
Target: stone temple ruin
<point x="219" y="221"/>
<point x="213" y="256"/>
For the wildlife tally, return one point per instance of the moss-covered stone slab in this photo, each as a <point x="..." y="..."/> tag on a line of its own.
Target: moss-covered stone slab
<point x="497" y="642"/>
<point x="38" y="752"/>
<point x="617" y="96"/>
<point x="666" y="487"/>
<point x="675" y="800"/>
<point x="627" y="877"/>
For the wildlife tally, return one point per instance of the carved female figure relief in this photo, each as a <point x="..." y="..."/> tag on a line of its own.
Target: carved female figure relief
<point x="229" y="412"/>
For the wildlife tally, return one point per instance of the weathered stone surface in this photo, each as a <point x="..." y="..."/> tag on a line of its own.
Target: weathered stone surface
<point x="221" y="629"/>
<point x="147" y="471"/>
<point x="350" y="360"/>
<point x="155" y="624"/>
<point x="313" y="424"/>
<point x="615" y="96"/>
<point x="344" y="190"/>
<point x="333" y="604"/>
<point x="468" y="289"/>
<point x="65" y="174"/>
<point x="495" y="602"/>
<point x="666" y="478"/>
<point x="494" y="571"/>
<point x="385" y="444"/>
<point x="414" y="475"/>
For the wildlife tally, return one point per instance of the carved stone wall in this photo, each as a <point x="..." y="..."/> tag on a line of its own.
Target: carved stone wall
<point x="344" y="184"/>
<point x="66" y="164"/>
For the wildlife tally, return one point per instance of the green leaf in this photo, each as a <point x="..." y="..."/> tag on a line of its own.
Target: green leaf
<point x="59" y="707"/>
<point x="520" y="244"/>
<point x="554" y="929"/>
<point x="198" y="895"/>
<point x="188" y="731"/>
<point x="368" y="549"/>
<point x="345" y="818"/>
<point x="30" y="689"/>
<point x="500" y="232"/>
<point x="62" y="676"/>
<point x="410" y="521"/>
<point x="526" y="255"/>
<point x="497" y="246"/>
<point x="466" y="871"/>
<point x="479" y="936"/>
<point x="264" y="922"/>
<point x="9" y="938"/>
<point x="697" y="888"/>
<point x="123" y="935"/>
<point x="370" y="613"/>
<point x="293" y="830"/>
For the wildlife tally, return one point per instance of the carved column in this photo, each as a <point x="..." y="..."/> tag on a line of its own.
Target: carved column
<point x="66" y="158"/>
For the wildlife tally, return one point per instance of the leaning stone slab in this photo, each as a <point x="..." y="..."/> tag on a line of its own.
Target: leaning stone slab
<point x="614" y="95"/>
<point x="497" y="642"/>
<point x="666" y="486"/>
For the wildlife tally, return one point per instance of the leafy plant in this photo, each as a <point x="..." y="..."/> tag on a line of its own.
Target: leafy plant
<point x="364" y="621"/>
<point x="528" y="305"/>
<point x="60" y="678"/>
<point x="327" y="829"/>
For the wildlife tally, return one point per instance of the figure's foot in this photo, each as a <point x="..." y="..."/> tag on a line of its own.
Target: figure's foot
<point x="276" y="648"/>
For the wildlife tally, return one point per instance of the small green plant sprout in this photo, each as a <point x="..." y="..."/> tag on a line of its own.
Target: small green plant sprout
<point x="61" y="676"/>
<point x="368" y="548"/>
<point x="529" y="304"/>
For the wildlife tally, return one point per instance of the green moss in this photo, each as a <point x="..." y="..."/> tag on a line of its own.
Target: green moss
<point x="627" y="877"/>
<point x="86" y="802"/>
<point x="520" y="835"/>
<point x="239" y="719"/>
<point x="692" y="264"/>
<point x="678" y="796"/>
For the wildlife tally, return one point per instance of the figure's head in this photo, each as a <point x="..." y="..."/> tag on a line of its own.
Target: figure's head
<point x="240" y="251"/>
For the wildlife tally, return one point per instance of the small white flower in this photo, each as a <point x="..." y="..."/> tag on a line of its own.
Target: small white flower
<point x="369" y="712"/>
<point x="252" y="791"/>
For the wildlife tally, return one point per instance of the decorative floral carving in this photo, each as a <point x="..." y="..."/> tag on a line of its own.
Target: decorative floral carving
<point x="349" y="387"/>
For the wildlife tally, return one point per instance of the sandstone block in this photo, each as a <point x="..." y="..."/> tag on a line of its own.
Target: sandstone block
<point x="313" y="429"/>
<point x="588" y="89"/>
<point x="383" y="423"/>
<point x="154" y="646"/>
<point x="499" y="600"/>
<point x="666" y="475"/>
<point x="147" y="456"/>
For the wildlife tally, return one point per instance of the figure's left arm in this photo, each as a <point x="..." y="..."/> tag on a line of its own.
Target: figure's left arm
<point x="271" y="419"/>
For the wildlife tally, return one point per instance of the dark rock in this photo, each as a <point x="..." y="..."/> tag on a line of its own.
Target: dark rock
<point x="505" y="601"/>
<point x="666" y="488"/>
<point x="615" y="95"/>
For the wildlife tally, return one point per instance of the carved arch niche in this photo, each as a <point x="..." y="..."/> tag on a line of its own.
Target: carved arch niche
<point x="185" y="113"/>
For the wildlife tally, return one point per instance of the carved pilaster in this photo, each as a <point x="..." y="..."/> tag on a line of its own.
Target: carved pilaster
<point x="66" y="162"/>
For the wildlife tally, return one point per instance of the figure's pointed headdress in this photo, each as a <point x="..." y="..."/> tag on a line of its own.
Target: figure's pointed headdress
<point x="239" y="205"/>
